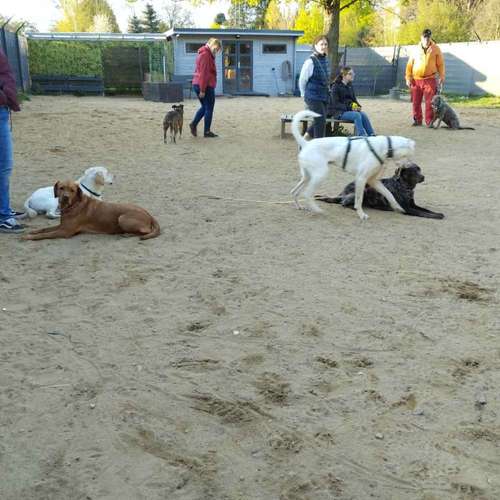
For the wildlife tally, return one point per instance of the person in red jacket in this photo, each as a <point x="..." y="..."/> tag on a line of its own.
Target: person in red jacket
<point x="8" y="103"/>
<point x="204" y="83"/>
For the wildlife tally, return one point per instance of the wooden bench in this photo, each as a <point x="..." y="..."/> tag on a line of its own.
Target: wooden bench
<point x="330" y="121"/>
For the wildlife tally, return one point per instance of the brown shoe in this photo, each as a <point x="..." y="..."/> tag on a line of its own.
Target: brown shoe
<point x="192" y="127"/>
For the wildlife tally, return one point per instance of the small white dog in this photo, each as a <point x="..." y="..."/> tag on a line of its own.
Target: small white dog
<point x="362" y="157"/>
<point x="92" y="183"/>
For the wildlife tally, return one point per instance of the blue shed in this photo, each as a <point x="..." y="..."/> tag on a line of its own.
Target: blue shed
<point x="252" y="62"/>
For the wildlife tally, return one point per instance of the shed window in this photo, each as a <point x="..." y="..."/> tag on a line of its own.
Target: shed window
<point x="192" y="47"/>
<point x="274" y="48"/>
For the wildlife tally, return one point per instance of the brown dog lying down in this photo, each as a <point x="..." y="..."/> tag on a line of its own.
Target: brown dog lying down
<point x="82" y="214"/>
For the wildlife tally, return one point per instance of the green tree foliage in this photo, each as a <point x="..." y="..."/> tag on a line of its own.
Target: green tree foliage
<point x="85" y="16"/>
<point x="134" y="25"/>
<point x="447" y="20"/>
<point x="150" y="22"/>
<point x="357" y="24"/>
<point x="487" y="20"/>
<point x="249" y="14"/>
<point x="311" y="20"/>
<point x="273" y="17"/>
<point x="280" y="15"/>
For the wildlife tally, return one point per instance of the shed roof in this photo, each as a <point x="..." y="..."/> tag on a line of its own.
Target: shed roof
<point x="151" y="37"/>
<point x="232" y="32"/>
<point x="94" y="37"/>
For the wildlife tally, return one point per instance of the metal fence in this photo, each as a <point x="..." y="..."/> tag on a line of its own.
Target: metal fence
<point x="15" y="47"/>
<point x="376" y="72"/>
<point x="471" y="67"/>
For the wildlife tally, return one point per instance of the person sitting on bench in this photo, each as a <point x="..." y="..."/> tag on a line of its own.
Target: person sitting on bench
<point x="345" y="106"/>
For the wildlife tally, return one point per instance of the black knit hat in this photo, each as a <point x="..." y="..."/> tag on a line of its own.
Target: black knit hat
<point x="427" y="33"/>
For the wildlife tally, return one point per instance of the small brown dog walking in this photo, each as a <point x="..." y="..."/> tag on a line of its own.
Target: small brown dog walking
<point x="82" y="214"/>
<point x="173" y="120"/>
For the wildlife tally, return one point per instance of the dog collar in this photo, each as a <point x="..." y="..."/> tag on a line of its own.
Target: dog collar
<point x="97" y="195"/>
<point x="390" y="151"/>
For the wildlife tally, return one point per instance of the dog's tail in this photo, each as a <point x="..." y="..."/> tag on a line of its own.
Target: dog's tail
<point x="297" y="118"/>
<point x="466" y="128"/>
<point x="155" y="230"/>
<point x="31" y="213"/>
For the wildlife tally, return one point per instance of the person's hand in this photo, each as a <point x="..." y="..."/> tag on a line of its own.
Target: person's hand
<point x="408" y="82"/>
<point x="202" y="95"/>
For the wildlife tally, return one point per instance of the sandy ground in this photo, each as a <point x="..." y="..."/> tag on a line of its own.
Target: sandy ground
<point x="252" y="351"/>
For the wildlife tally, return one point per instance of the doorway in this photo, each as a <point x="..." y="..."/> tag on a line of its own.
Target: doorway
<point x="237" y="62"/>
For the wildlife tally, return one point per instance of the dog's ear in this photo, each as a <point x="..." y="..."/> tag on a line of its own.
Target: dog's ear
<point x="79" y="193"/>
<point x="56" y="190"/>
<point x="99" y="179"/>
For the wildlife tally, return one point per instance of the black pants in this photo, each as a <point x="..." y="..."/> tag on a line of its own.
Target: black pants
<point x="317" y="129"/>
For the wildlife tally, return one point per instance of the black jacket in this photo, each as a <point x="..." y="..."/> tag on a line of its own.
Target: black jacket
<point x="342" y="97"/>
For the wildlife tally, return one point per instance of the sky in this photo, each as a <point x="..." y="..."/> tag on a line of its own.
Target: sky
<point x="43" y="13"/>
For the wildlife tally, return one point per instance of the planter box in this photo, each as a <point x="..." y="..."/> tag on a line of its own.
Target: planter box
<point x="162" y="91"/>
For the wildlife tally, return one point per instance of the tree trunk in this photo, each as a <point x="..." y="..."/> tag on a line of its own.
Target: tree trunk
<point x="333" y="12"/>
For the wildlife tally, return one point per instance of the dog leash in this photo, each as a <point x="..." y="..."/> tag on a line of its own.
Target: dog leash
<point x="390" y="150"/>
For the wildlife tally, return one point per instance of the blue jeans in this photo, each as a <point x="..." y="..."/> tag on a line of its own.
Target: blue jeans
<point x="361" y="121"/>
<point x="6" y="161"/>
<point x="207" y="107"/>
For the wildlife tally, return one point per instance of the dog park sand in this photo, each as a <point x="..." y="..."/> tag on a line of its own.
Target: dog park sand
<point x="252" y="351"/>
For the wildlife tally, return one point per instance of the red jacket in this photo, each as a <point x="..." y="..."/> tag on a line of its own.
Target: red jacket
<point x="7" y="85"/>
<point x="205" y="72"/>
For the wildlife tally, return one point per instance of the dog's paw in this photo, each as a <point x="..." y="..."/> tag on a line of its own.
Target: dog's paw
<point x="363" y="216"/>
<point x="314" y="209"/>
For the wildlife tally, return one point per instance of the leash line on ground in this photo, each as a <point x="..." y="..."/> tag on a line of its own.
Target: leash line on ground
<point x="214" y="197"/>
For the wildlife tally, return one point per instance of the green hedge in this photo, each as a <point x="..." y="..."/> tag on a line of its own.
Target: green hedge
<point x="80" y="58"/>
<point x="52" y="57"/>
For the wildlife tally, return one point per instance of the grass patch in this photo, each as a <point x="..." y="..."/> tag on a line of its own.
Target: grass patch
<point x="486" y="101"/>
<point x="23" y="96"/>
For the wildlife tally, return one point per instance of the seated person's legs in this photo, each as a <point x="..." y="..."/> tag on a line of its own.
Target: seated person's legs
<point x="356" y="118"/>
<point x="366" y="123"/>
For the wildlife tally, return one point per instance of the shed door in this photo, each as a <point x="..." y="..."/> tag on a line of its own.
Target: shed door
<point x="237" y="66"/>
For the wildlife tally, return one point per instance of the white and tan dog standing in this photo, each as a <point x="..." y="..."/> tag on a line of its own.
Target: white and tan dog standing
<point x="363" y="157"/>
<point x="43" y="201"/>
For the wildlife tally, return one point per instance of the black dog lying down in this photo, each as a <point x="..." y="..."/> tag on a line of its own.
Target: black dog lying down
<point x="401" y="185"/>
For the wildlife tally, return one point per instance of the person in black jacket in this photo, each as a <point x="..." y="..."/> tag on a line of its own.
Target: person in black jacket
<point x="345" y="105"/>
